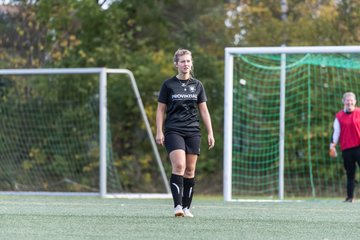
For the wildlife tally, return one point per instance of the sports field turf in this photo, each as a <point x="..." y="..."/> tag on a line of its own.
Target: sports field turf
<point x="25" y="217"/>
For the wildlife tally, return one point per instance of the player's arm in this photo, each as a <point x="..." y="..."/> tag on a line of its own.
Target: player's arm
<point x="160" y="115"/>
<point x="335" y="138"/>
<point x="205" y="116"/>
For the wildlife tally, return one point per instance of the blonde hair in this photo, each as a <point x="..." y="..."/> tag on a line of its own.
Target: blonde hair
<point x="348" y="94"/>
<point x="181" y="52"/>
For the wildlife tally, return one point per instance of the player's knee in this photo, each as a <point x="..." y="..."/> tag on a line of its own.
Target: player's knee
<point x="178" y="168"/>
<point x="189" y="172"/>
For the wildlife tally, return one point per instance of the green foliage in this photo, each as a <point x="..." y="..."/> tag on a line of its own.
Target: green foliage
<point x="328" y="22"/>
<point x="142" y="36"/>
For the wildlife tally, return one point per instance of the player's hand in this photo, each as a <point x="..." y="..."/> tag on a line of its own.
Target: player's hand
<point x="332" y="150"/>
<point x="211" y="141"/>
<point x="160" y="138"/>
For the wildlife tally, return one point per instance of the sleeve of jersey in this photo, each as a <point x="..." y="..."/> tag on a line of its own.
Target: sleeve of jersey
<point x="202" y="95"/>
<point x="163" y="94"/>
<point x="336" y="133"/>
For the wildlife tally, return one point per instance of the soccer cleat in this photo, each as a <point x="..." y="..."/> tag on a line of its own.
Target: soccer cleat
<point x="178" y="211"/>
<point x="187" y="213"/>
<point x="349" y="200"/>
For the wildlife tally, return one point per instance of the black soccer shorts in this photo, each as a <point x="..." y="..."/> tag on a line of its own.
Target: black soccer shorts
<point x="175" y="141"/>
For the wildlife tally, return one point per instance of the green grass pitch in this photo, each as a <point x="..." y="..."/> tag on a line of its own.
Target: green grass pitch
<point x="70" y="218"/>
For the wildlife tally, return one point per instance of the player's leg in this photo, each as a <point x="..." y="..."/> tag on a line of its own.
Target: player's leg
<point x="175" y="145"/>
<point x="192" y="153"/>
<point x="350" y="168"/>
<point x="189" y="183"/>
<point x="356" y="156"/>
<point x="177" y="158"/>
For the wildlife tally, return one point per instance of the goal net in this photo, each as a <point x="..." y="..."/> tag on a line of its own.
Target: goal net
<point x="58" y="129"/>
<point x="280" y="105"/>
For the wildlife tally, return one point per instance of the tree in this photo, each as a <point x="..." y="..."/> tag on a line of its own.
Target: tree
<point x="326" y="22"/>
<point x="143" y="35"/>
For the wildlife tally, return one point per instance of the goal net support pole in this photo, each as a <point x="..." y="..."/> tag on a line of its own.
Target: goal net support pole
<point x="228" y="102"/>
<point x="103" y="72"/>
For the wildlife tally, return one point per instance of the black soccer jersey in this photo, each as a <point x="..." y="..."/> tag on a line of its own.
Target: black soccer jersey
<point x="182" y="98"/>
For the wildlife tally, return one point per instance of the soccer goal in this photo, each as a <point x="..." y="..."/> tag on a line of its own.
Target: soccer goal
<point x="280" y="104"/>
<point x="57" y="133"/>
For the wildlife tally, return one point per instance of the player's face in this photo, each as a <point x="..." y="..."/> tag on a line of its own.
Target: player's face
<point x="349" y="103"/>
<point x="184" y="64"/>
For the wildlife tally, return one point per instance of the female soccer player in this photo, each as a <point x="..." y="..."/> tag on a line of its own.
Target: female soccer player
<point x="347" y="132"/>
<point x="181" y="98"/>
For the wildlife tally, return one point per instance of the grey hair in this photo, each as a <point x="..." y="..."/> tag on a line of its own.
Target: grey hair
<point x="348" y="94"/>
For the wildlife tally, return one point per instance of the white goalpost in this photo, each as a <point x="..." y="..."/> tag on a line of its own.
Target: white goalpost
<point x="274" y="63"/>
<point x="103" y="131"/>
